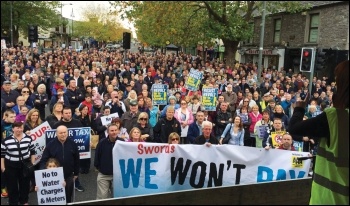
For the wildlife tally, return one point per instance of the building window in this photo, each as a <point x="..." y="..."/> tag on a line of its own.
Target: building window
<point x="57" y="29"/>
<point x="277" y="31"/>
<point x="313" y="30"/>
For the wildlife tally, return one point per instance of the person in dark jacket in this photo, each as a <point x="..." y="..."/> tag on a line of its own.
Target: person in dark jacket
<point x="145" y="128"/>
<point x="75" y="96"/>
<point x="195" y="129"/>
<point x="66" y="152"/>
<point x="166" y="125"/>
<point x="222" y="119"/>
<point x="206" y="137"/>
<point x="104" y="161"/>
<point x="70" y="122"/>
<point x="40" y="100"/>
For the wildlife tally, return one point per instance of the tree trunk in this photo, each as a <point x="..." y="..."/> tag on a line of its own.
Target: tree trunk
<point x="15" y="36"/>
<point x="230" y="51"/>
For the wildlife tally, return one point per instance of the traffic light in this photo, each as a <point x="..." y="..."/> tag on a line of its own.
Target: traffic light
<point x="306" y="60"/>
<point x="32" y="33"/>
<point x="126" y="40"/>
<point x="320" y="62"/>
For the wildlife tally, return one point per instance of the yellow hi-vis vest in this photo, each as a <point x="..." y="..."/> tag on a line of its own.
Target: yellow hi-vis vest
<point x="331" y="176"/>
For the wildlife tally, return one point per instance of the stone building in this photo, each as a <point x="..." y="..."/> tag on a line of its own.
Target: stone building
<point x="324" y="26"/>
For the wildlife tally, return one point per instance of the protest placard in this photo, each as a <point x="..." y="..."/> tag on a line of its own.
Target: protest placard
<point x="194" y="79"/>
<point x="159" y="94"/>
<point x="38" y="136"/>
<point x="141" y="169"/>
<point x="277" y="138"/>
<point x="209" y="99"/>
<point x="262" y="131"/>
<point x="50" y="186"/>
<point x="81" y="136"/>
<point x="298" y="145"/>
<point x="108" y="119"/>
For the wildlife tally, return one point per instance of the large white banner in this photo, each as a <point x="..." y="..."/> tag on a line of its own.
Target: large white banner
<point x="50" y="186"/>
<point x="148" y="168"/>
<point x="38" y="136"/>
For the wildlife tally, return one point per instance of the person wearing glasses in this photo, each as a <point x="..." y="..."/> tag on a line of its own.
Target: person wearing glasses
<point x="26" y="94"/>
<point x="174" y="138"/>
<point x="145" y="128"/>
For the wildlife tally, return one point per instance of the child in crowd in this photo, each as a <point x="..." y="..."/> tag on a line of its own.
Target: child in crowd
<point x="21" y="117"/>
<point x="52" y="163"/>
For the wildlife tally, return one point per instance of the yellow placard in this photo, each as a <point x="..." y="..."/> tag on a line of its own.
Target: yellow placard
<point x="297" y="163"/>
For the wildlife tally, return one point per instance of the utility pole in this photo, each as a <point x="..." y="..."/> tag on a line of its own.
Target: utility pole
<point x="11" y="26"/>
<point x="261" y="46"/>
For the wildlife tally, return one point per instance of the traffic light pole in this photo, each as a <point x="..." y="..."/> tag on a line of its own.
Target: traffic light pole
<point x="31" y="50"/>
<point x="312" y="69"/>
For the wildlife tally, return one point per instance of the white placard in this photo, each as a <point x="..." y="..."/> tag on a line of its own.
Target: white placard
<point x="38" y="136"/>
<point x="108" y="119"/>
<point x="50" y="186"/>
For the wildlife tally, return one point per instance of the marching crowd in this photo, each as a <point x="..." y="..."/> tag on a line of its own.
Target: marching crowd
<point x="81" y="87"/>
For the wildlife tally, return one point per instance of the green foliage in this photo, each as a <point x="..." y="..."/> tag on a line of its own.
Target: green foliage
<point x="41" y="13"/>
<point x="99" y="24"/>
<point x="188" y="22"/>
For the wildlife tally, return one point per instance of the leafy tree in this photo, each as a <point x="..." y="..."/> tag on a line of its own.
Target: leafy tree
<point x="99" y="24"/>
<point x="189" y="22"/>
<point x="24" y="13"/>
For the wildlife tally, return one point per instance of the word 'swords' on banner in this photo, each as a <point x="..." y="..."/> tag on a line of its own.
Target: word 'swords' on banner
<point x="194" y="79"/>
<point x="209" y="98"/>
<point x="38" y="136"/>
<point x="50" y="183"/>
<point x="159" y="94"/>
<point x="81" y="136"/>
<point x="149" y="168"/>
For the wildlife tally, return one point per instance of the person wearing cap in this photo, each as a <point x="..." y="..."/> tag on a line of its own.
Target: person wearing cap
<point x="130" y="117"/>
<point x="9" y="95"/>
<point x="172" y="102"/>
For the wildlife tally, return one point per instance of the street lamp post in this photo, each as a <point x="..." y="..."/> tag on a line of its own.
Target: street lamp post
<point x="72" y="16"/>
<point x="62" y="17"/>
<point x="11" y="29"/>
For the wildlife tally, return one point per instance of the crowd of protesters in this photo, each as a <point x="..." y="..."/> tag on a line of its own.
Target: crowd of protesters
<point x="81" y="87"/>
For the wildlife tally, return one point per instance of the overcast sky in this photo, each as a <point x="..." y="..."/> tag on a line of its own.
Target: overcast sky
<point x="77" y="9"/>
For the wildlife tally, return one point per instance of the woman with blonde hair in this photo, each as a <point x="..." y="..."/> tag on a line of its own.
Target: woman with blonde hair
<point x="56" y="114"/>
<point x="131" y="96"/>
<point x="32" y="120"/>
<point x="145" y="128"/>
<point x="14" y="81"/>
<point x="135" y="135"/>
<point x="174" y="138"/>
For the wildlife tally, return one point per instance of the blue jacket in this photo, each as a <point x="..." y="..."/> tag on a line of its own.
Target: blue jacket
<point x="238" y="140"/>
<point x="193" y="132"/>
<point x="67" y="155"/>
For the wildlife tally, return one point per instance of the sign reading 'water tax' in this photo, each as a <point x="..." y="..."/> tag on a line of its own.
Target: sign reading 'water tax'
<point x="50" y="183"/>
